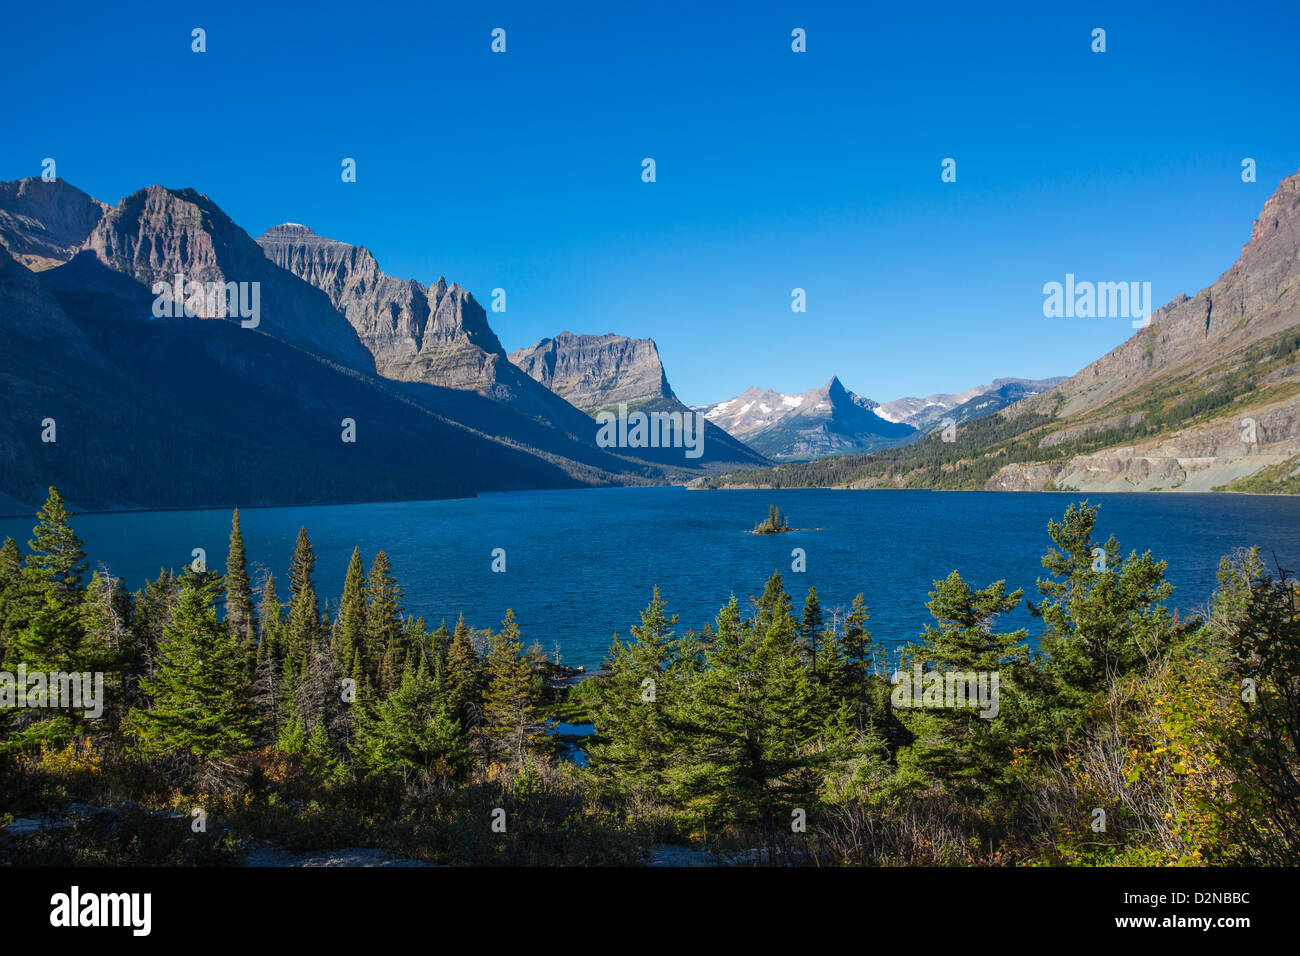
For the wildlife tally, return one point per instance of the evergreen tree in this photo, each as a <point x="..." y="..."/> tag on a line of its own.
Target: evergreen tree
<point x="412" y="735"/>
<point x="350" y="629"/>
<point x="270" y="642"/>
<point x="464" y="677"/>
<point x="56" y="560"/>
<point x="810" y="624"/>
<point x="509" y="717"/>
<point x="755" y="720"/>
<point x="46" y="618"/>
<point x="1104" y="616"/>
<point x="240" y="616"/>
<point x="383" y="623"/>
<point x="304" y="611"/>
<point x="199" y="696"/>
<point x="11" y="564"/>
<point x="631" y="710"/>
<point x="957" y="737"/>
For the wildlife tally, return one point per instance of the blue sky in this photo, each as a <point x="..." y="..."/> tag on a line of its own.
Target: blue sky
<point x="775" y="170"/>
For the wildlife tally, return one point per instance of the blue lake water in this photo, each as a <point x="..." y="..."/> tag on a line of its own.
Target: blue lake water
<point x="580" y="565"/>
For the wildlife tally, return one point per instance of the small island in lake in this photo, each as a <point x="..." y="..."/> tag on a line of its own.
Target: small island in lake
<point x="775" y="523"/>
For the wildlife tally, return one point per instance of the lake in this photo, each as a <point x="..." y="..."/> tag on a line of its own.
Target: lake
<point x="580" y="564"/>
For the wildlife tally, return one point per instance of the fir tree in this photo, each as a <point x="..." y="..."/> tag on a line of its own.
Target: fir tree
<point x="199" y="695"/>
<point x="240" y="616"/>
<point x="464" y="677"/>
<point x="411" y="735"/>
<point x="350" y="629"/>
<point x="810" y="625"/>
<point x="270" y="642"/>
<point x="508" y="703"/>
<point x="959" y="741"/>
<point x="383" y="621"/>
<point x="631" y="710"/>
<point x="304" y="611"/>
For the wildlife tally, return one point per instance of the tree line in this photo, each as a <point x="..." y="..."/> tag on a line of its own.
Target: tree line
<point x="1122" y="733"/>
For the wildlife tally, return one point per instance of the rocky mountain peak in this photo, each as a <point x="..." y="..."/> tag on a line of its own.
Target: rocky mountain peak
<point x="597" y="371"/>
<point x="44" y="223"/>
<point x="157" y="233"/>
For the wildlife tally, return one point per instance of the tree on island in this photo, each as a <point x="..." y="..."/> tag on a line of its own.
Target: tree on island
<point x="775" y="523"/>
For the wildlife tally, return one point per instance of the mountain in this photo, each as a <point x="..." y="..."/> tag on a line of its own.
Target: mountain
<point x="156" y="233"/>
<point x="435" y="334"/>
<point x="438" y="339"/>
<point x="43" y="223"/>
<point x="593" y="372"/>
<point x="930" y="412"/>
<point x="601" y="372"/>
<point x="1205" y="397"/>
<point x="829" y="420"/>
<point x="185" y="413"/>
<point x="155" y="408"/>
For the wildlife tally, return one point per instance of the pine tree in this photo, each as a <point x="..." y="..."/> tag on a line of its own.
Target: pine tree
<point x="319" y="694"/>
<point x="464" y="677"/>
<point x="755" y="719"/>
<point x="270" y="642"/>
<point x="199" y="695"/>
<point x="11" y="563"/>
<point x="412" y="735"/>
<point x="56" y="559"/>
<point x="304" y="612"/>
<point x="1104" y="616"/>
<point x="350" y="629"/>
<point x="240" y="616"/>
<point x="509" y="718"/>
<point x="958" y="742"/>
<point x="632" y="708"/>
<point x="46" y="618"/>
<point x="810" y="625"/>
<point x="383" y="622"/>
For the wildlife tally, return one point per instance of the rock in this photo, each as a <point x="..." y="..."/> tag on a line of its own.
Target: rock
<point x="156" y="233"/>
<point x="43" y="224"/>
<point x="601" y="372"/>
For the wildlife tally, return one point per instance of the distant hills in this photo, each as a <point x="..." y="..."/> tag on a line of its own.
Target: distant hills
<point x="1205" y="397"/>
<point x="832" y="420"/>
<point x="927" y="414"/>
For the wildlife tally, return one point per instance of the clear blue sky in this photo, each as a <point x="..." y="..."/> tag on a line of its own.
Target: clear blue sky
<point x="775" y="169"/>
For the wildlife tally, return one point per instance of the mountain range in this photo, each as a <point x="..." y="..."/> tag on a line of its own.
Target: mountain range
<point x="829" y="420"/>
<point x="1205" y="397"/>
<point x="155" y="410"/>
<point x="832" y="420"/>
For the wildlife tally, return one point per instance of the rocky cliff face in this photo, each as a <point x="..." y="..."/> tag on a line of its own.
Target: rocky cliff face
<point x="157" y="233"/>
<point x="1256" y="298"/>
<point x="437" y="335"/>
<point x="603" y="372"/>
<point x="592" y="372"/>
<point x="44" y="224"/>
<point x="1234" y="340"/>
<point x="829" y="420"/>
